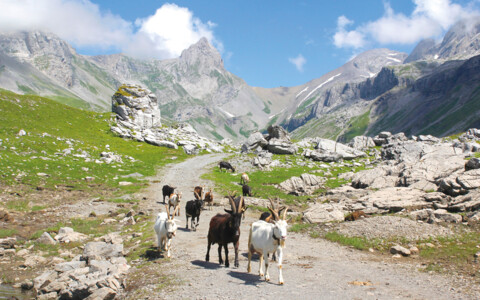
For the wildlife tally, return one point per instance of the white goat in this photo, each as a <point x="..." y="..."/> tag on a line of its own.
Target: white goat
<point x="174" y="200"/>
<point x="265" y="238"/>
<point x="165" y="228"/>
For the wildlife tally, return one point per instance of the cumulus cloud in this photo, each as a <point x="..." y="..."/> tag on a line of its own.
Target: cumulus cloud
<point x="430" y="18"/>
<point x="298" y="62"/>
<point x="163" y="35"/>
<point x="170" y="30"/>
<point x="344" y="38"/>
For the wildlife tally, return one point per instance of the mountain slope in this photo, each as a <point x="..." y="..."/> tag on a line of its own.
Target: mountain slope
<point x="194" y="88"/>
<point x="323" y="106"/>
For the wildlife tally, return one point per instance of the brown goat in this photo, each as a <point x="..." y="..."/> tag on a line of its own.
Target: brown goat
<point x="209" y="198"/>
<point x="355" y="215"/>
<point x="198" y="192"/>
<point x="225" y="229"/>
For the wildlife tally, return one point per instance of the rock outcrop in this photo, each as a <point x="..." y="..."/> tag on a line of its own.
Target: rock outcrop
<point x="97" y="274"/>
<point x="138" y="118"/>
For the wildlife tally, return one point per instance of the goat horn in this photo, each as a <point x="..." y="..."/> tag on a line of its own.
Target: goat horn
<point x="234" y="192"/>
<point x="240" y="205"/>
<point x="175" y="211"/>
<point x="284" y="216"/>
<point x="232" y="203"/>
<point x="271" y="203"/>
<point x="274" y="214"/>
<point x="167" y="208"/>
<point x="196" y="194"/>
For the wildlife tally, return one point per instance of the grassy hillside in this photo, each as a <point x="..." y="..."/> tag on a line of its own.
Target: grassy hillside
<point x="62" y="148"/>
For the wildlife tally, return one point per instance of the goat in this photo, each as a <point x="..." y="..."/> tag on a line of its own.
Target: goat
<point x="193" y="208"/>
<point x="198" y="192"/>
<point x="271" y="218"/>
<point x="268" y="217"/>
<point x="246" y="190"/>
<point x="355" y="215"/>
<point x="174" y="200"/>
<point x="244" y="179"/>
<point x="242" y="207"/>
<point x="167" y="190"/>
<point x="225" y="229"/>
<point x="209" y="198"/>
<point x="226" y="165"/>
<point x="265" y="238"/>
<point x="165" y="228"/>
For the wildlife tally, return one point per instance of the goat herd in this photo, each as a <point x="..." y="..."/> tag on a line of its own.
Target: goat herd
<point x="266" y="236"/>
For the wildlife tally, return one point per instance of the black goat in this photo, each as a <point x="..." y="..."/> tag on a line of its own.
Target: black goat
<point x="226" y="165"/>
<point x="167" y="190"/>
<point x="225" y="229"/>
<point x="246" y="190"/>
<point x="193" y="208"/>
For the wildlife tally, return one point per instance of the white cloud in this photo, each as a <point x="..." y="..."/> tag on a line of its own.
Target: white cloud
<point x="430" y="18"/>
<point x="171" y="30"/>
<point x="344" y="38"/>
<point x="298" y="62"/>
<point x="163" y="35"/>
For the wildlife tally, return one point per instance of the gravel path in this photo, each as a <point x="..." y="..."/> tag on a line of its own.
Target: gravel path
<point x="313" y="268"/>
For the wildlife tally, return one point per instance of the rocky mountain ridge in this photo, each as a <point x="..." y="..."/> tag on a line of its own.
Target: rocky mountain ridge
<point x="370" y="93"/>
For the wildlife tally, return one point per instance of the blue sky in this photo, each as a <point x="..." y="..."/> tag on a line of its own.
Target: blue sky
<point x="268" y="43"/>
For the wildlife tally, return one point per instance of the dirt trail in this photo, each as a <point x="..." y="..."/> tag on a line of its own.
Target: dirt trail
<point x="313" y="268"/>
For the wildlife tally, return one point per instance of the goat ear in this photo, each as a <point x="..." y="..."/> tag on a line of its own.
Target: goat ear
<point x="228" y="211"/>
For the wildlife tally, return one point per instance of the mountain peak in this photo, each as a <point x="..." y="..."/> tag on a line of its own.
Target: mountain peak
<point x="202" y="52"/>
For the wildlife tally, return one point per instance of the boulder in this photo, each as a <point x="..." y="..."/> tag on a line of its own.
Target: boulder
<point x="104" y="293"/>
<point x="345" y="152"/>
<point x="361" y="142"/>
<point x="68" y="235"/>
<point x="443" y="215"/>
<point x="377" y="178"/>
<point x="277" y="146"/>
<point x="101" y="250"/>
<point x="278" y="132"/>
<point x="397" y="249"/>
<point x="263" y="159"/>
<point x="472" y="163"/>
<point x="254" y="141"/>
<point x="395" y="199"/>
<point x="8" y="243"/>
<point x="324" y="212"/>
<point x="306" y="184"/>
<point x="469" y="202"/>
<point x="161" y="143"/>
<point x="137" y="105"/>
<point x="190" y="149"/>
<point x="325" y="157"/>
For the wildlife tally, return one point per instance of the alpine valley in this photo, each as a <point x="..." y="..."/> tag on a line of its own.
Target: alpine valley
<point x="433" y="90"/>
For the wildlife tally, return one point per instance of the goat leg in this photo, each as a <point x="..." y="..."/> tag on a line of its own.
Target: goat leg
<point x="249" y="267"/>
<point x="220" y="260"/>
<point x="227" y="264"/>
<point x="207" y="257"/>
<point x="186" y="216"/>
<point x="279" y="263"/>
<point x="236" y="254"/>
<point x="260" y="269"/>
<point x="265" y="257"/>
